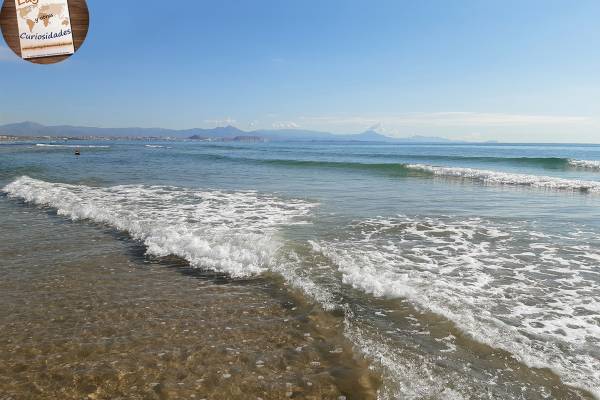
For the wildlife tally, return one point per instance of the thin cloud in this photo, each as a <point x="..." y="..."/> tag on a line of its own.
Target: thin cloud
<point x="220" y="122"/>
<point x="450" y="119"/>
<point x="285" y="125"/>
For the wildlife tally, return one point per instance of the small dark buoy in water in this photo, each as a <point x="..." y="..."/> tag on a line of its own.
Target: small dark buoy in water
<point x="77" y="152"/>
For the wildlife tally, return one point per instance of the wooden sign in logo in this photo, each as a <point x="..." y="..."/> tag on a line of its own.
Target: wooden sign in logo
<point x="44" y="31"/>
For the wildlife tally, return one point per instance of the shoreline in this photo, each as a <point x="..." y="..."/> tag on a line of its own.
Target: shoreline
<point x="406" y="342"/>
<point x="102" y="321"/>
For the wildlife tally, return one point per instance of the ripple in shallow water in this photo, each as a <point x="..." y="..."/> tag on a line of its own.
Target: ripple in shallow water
<point x="85" y="315"/>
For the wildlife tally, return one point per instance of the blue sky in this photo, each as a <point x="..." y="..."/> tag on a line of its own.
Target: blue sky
<point x="505" y="70"/>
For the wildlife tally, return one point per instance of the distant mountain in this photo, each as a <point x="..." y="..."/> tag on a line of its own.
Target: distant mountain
<point x="23" y="128"/>
<point x="373" y="136"/>
<point x="35" y="129"/>
<point x="220" y="132"/>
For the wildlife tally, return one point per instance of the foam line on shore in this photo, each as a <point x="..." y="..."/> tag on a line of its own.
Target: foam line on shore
<point x="232" y="232"/>
<point x="481" y="277"/>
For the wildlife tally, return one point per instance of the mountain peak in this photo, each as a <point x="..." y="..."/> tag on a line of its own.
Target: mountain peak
<point x="26" y="124"/>
<point x="372" y="134"/>
<point x="228" y="128"/>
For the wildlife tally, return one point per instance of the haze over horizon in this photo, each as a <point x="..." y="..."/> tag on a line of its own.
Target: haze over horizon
<point x="512" y="72"/>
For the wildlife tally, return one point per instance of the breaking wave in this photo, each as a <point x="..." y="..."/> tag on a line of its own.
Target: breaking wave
<point x="232" y="232"/>
<point x="487" y="177"/>
<point x="585" y="164"/>
<point x="90" y="146"/>
<point x="531" y="294"/>
<point x="512" y="179"/>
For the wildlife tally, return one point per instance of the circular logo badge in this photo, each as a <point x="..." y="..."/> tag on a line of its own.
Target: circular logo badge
<point x="44" y="31"/>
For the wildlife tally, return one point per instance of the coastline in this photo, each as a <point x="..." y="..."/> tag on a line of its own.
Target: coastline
<point x="98" y="319"/>
<point x="420" y="295"/>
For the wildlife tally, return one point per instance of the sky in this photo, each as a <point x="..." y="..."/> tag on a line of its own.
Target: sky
<point x="513" y="71"/>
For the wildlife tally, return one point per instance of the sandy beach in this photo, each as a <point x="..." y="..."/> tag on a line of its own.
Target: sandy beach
<point x="86" y="315"/>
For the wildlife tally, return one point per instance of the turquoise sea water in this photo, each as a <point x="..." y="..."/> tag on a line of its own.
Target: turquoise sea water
<point x="461" y="271"/>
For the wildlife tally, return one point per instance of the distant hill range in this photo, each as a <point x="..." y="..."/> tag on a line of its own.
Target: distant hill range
<point x="33" y="129"/>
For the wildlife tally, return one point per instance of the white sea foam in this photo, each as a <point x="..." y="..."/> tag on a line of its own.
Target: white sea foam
<point x="503" y="285"/>
<point x="232" y="232"/>
<point x="406" y="376"/>
<point x="507" y="178"/>
<point x="543" y="308"/>
<point x="91" y="146"/>
<point x="155" y="146"/>
<point x="585" y="164"/>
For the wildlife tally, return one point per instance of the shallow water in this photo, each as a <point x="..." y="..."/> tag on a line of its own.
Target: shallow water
<point x="86" y="315"/>
<point x="455" y="271"/>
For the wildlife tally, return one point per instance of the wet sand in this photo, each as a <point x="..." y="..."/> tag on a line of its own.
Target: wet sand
<point x="86" y="315"/>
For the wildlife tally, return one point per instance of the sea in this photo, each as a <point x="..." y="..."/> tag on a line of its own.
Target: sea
<point x="365" y="270"/>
